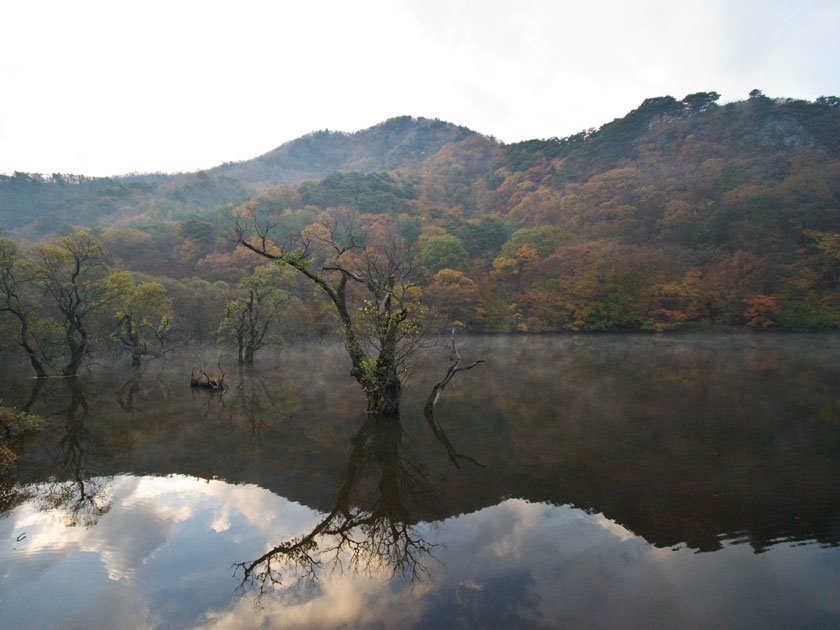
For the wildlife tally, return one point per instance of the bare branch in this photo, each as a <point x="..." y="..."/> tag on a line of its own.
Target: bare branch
<point x="428" y="411"/>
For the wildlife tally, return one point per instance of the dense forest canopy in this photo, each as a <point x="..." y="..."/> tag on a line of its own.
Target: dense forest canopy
<point x="683" y="214"/>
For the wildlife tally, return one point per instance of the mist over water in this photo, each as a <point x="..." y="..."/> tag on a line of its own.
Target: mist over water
<point x="625" y="480"/>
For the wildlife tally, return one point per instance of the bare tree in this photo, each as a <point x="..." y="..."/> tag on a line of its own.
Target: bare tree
<point x="429" y="409"/>
<point x="368" y="273"/>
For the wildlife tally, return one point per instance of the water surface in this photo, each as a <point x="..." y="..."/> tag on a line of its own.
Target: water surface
<point x="574" y="481"/>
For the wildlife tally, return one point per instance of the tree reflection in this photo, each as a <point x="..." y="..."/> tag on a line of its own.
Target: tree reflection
<point x="255" y="402"/>
<point x="127" y="394"/>
<point x="74" y="486"/>
<point x="11" y="494"/>
<point x="251" y="403"/>
<point x="370" y="527"/>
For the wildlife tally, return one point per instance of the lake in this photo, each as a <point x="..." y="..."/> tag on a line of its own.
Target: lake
<point x="600" y="481"/>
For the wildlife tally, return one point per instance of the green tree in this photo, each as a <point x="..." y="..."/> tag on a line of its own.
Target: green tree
<point x="143" y="315"/>
<point x="71" y="271"/>
<point x="444" y="252"/>
<point x="483" y="236"/>
<point x="17" y="301"/>
<point x="409" y="228"/>
<point x="544" y="239"/>
<point x="249" y="317"/>
<point x="700" y="102"/>
<point x="832" y="102"/>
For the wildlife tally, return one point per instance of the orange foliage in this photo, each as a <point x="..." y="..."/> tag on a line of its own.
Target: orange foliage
<point x="760" y="312"/>
<point x="229" y="266"/>
<point x="453" y="297"/>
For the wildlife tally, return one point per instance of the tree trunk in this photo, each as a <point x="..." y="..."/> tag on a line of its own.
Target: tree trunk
<point x="40" y="372"/>
<point x="77" y="349"/>
<point x="72" y="367"/>
<point x="134" y="340"/>
<point x="383" y="395"/>
<point x="384" y="387"/>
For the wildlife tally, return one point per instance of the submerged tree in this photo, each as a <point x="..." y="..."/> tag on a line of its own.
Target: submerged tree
<point x="71" y="271"/>
<point x="249" y="318"/>
<point x="369" y="530"/>
<point x="143" y="315"/>
<point x="15" y="282"/>
<point x="452" y="370"/>
<point x="367" y="271"/>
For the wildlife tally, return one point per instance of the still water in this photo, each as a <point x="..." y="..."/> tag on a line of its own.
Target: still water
<point x="569" y="481"/>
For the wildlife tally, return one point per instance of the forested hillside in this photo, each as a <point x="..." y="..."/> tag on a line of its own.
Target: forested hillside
<point x="683" y="214"/>
<point x="35" y="205"/>
<point x="396" y="143"/>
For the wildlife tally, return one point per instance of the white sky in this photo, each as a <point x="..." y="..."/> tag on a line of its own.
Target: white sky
<point x="110" y="87"/>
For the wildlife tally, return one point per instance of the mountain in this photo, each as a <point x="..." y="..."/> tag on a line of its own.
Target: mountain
<point x="682" y="213"/>
<point x="36" y="206"/>
<point x="395" y="143"/>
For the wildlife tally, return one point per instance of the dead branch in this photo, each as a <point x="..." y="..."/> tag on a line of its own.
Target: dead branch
<point x="437" y="390"/>
<point x="207" y="381"/>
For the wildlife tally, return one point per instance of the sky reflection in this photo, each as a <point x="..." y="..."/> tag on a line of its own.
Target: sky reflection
<point x="163" y="554"/>
<point x="723" y="445"/>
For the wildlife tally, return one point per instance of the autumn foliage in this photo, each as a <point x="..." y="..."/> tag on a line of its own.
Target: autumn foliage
<point x="682" y="215"/>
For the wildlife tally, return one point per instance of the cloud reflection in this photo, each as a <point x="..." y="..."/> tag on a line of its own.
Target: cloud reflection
<point x="138" y="556"/>
<point x="163" y="556"/>
<point x="521" y="564"/>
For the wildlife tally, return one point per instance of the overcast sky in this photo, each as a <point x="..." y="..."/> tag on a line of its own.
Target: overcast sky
<point x="110" y="87"/>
